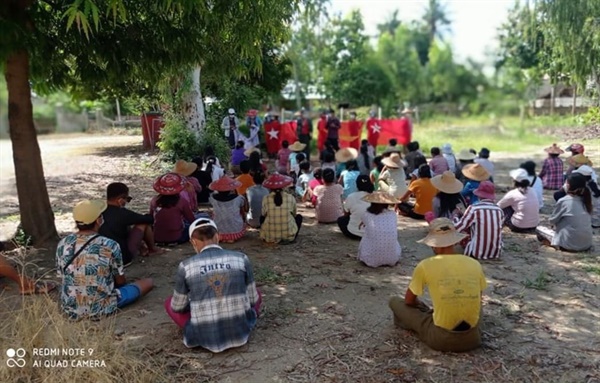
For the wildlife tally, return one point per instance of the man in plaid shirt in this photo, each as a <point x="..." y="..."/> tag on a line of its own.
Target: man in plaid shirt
<point x="215" y="299"/>
<point x="552" y="169"/>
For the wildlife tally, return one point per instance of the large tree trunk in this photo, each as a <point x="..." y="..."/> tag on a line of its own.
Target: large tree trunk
<point x="193" y="106"/>
<point x="37" y="217"/>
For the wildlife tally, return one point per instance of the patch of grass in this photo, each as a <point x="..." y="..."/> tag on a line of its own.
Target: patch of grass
<point x="268" y="276"/>
<point x="592" y="269"/>
<point x="539" y="283"/>
<point x="10" y="218"/>
<point x="21" y="238"/>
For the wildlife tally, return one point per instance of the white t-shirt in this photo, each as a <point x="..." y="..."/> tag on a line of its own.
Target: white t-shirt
<point x="538" y="187"/>
<point x="356" y="207"/>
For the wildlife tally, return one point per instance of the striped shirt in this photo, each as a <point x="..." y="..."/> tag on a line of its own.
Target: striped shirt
<point x="217" y="287"/>
<point x="483" y="222"/>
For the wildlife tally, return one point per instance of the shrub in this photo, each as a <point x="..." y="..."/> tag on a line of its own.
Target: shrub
<point x="177" y="141"/>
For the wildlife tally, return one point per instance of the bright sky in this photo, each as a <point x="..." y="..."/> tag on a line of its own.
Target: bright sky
<point x="474" y="22"/>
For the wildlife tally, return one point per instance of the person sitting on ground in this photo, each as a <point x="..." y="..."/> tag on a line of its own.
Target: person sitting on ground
<point x="423" y="191"/>
<point x="215" y="300"/>
<point x="213" y="168"/>
<point x="449" y="156"/>
<point x="237" y="156"/>
<point x="317" y="180"/>
<point x="571" y="218"/>
<point x="552" y="168"/>
<point x="588" y="173"/>
<point x="376" y="172"/>
<point x="256" y="164"/>
<point x="348" y="178"/>
<point x="365" y="158"/>
<point x="484" y="160"/>
<point x="172" y="214"/>
<point x="327" y="158"/>
<point x="132" y="231"/>
<point x="354" y="208"/>
<point x="379" y="245"/>
<point x="255" y="195"/>
<point x="414" y="158"/>
<point x="448" y="203"/>
<point x="576" y="161"/>
<point x="464" y="157"/>
<point x="192" y="187"/>
<point x="455" y="284"/>
<point x="393" y="179"/>
<point x="438" y="163"/>
<point x="482" y="223"/>
<point x="229" y="209"/>
<point x="473" y="174"/>
<point x="520" y="205"/>
<point x="303" y="179"/>
<point x="245" y="178"/>
<point x="294" y="160"/>
<point x="27" y="286"/>
<point x="534" y="182"/>
<point x="576" y="150"/>
<point x="280" y="222"/>
<point x="392" y="148"/>
<point x="283" y="158"/>
<point x="329" y="199"/>
<point x="204" y="179"/>
<point x="91" y="268"/>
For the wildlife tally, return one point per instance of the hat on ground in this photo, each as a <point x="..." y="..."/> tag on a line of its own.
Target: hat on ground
<point x="465" y="155"/>
<point x="519" y="175"/>
<point x="486" y="190"/>
<point x="447" y="183"/>
<point x="252" y="113"/>
<point x="447" y="149"/>
<point x="576" y="149"/>
<point x="87" y="211"/>
<point x="231" y="111"/>
<point x="224" y="184"/>
<point x="380" y="197"/>
<point x="475" y="172"/>
<point x="278" y="181"/>
<point x="297" y="146"/>
<point x="251" y="150"/>
<point x="578" y="160"/>
<point x="585" y="170"/>
<point x="442" y="233"/>
<point x="184" y="168"/>
<point x="201" y="222"/>
<point x="554" y="149"/>
<point x="169" y="184"/>
<point x="346" y="154"/>
<point x="394" y="161"/>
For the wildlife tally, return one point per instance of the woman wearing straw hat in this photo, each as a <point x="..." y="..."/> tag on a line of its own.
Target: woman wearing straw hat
<point x="342" y="157"/>
<point x="379" y="245"/>
<point x="552" y="169"/>
<point x="186" y="169"/>
<point x="392" y="179"/>
<point x="294" y="161"/>
<point x="455" y="285"/>
<point x="280" y="222"/>
<point x="464" y="157"/>
<point x="229" y="209"/>
<point x="172" y="214"/>
<point x="520" y="205"/>
<point x="473" y="175"/>
<point x="448" y="203"/>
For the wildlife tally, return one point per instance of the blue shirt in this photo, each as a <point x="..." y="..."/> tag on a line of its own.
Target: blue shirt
<point x="467" y="192"/>
<point x="350" y="177"/>
<point x="237" y="156"/>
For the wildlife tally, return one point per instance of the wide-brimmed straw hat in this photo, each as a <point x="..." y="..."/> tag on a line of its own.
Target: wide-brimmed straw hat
<point x="251" y="150"/>
<point x="554" y="149"/>
<point x="278" y="181"/>
<point x="486" y="190"/>
<point x="394" y="161"/>
<point x="465" y="155"/>
<point x="380" y="197"/>
<point x="169" y="184"/>
<point x="447" y="183"/>
<point x="184" y="168"/>
<point x="297" y="146"/>
<point x="224" y="184"/>
<point x="578" y="160"/>
<point x="475" y="172"/>
<point x="442" y="233"/>
<point x="346" y="154"/>
<point x="447" y="149"/>
<point x="87" y="211"/>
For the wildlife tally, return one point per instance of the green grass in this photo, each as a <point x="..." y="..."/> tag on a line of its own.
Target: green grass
<point x="592" y="269"/>
<point x="268" y="276"/>
<point x="539" y="283"/>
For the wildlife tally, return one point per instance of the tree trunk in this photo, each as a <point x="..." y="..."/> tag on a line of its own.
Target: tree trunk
<point x="37" y="217"/>
<point x="552" y="99"/>
<point x="574" y="107"/>
<point x="193" y="105"/>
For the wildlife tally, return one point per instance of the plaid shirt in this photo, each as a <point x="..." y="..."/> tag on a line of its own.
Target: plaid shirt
<point x="483" y="222"/>
<point x="280" y="223"/>
<point x="552" y="173"/>
<point x="217" y="287"/>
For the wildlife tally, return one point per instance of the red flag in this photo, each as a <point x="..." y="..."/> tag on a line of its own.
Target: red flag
<point x="288" y="132"/>
<point x="273" y="136"/>
<point x="398" y="129"/>
<point x="350" y="133"/>
<point x="373" y="134"/>
<point x="322" y="130"/>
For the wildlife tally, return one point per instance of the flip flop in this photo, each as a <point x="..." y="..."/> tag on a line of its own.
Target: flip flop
<point x="41" y="288"/>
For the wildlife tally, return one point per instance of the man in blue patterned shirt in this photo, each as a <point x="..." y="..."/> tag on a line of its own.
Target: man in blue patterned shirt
<point x="91" y="268"/>
<point x="215" y="299"/>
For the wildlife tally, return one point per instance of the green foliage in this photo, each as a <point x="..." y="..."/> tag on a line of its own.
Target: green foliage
<point x="213" y="136"/>
<point x="539" y="283"/>
<point x="21" y="238"/>
<point x="177" y="141"/>
<point x="268" y="276"/>
<point x="591" y="117"/>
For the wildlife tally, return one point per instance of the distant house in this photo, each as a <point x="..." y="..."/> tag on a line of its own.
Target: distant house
<point x="564" y="98"/>
<point x="310" y="97"/>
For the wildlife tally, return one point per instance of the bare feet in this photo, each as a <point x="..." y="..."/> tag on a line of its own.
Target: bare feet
<point x="156" y="251"/>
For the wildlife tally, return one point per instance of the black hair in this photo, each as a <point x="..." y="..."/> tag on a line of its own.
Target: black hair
<point x="86" y="226"/>
<point x="278" y="198"/>
<point x="448" y="203"/>
<point x="420" y="160"/>
<point x="116" y="189"/>
<point x="413" y="146"/>
<point x="554" y="155"/>
<point x="318" y="173"/>
<point x="285" y="144"/>
<point x="300" y="157"/>
<point x="473" y="151"/>
<point x="328" y="145"/>
<point x="239" y="145"/>
<point x="351" y="165"/>
<point x="328" y="156"/>
<point x="578" y="187"/>
<point x="364" y="142"/>
<point x="435" y="151"/>
<point x="377" y="208"/>
<point x="393" y="142"/>
<point x="364" y="150"/>
<point x="245" y="167"/>
<point x="364" y="184"/>
<point x="304" y="165"/>
<point x="424" y="171"/>
<point x="378" y="164"/>
<point x="522" y="185"/>
<point x="529" y="166"/>
<point x="484" y="153"/>
<point x="254" y="161"/>
<point x="328" y="175"/>
<point x="210" y="162"/>
<point x="167" y="201"/>
<point x="204" y="233"/>
<point x="208" y="151"/>
<point x="593" y="186"/>
<point x="258" y="178"/>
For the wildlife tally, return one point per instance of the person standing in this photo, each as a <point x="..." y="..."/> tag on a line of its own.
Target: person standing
<point x="333" y="130"/>
<point x="230" y="127"/>
<point x="254" y="124"/>
<point x="455" y="284"/>
<point x="304" y="129"/>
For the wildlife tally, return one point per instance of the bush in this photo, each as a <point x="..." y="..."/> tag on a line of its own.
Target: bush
<point x="177" y="141"/>
<point x="213" y="136"/>
<point x="591" y="117"/>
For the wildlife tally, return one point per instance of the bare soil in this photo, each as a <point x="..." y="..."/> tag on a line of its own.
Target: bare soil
<point x="325" y="316"/>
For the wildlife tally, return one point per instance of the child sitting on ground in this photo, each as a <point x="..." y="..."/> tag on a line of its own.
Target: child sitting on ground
<point x="255" y="195"/>
<point x="237" y="156"/>
<point x="303" y="179"/>
<point x="283" y="157"/>
<point x="376" y="172"/>
<point x="329" y="199"/>
<point x="245" y="178"/>
<point x="348" y="178"/>
<point x="172" y="214"/>
<point x="317" y="180"/>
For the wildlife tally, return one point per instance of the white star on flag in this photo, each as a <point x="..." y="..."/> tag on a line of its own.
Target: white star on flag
<point x="273" y="134"/>
<point x="376" y="128"/>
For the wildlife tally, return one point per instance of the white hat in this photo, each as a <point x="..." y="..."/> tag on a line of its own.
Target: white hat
<point x="231" y="111"/>
<point x="519" y="175"/>
<point x="447" y="149"/>
<point x="584" y="170"/>
<point x="201" y="222"/>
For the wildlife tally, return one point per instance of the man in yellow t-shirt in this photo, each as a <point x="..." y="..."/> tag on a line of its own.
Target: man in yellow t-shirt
<point x="455" y="284"/>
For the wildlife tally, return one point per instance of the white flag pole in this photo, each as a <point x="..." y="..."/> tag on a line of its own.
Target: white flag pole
<point x="379" y="113"/>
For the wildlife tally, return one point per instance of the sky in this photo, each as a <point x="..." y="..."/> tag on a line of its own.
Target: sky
<point x="474" y="22"/>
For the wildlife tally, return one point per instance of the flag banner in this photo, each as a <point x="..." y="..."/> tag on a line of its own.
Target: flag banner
<point x="322" y="131"/>
<point x="350" y="133"/>
<point x="398" y="129"/>
<point x="273" y="136"/>
<point x="288" y="132"/>
<point x="373" y="131"/>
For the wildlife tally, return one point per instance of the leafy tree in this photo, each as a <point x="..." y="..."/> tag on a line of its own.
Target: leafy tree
<point x="390" y="25"/>
<point x="436" y="19"/>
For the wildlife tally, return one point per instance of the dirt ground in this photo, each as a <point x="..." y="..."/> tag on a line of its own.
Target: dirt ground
<point x="325" y="316"/>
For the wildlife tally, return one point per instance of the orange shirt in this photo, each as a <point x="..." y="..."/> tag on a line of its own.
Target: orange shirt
<point x="247" y="181"/>
<point x="424" y="191"/>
